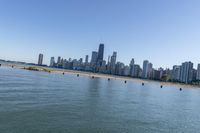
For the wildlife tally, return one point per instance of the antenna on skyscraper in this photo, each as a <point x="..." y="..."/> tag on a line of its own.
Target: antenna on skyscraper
<point x="101" y="40"/>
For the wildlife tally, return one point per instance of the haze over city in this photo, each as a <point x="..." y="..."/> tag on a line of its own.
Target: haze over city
<point x="154" y="30"/>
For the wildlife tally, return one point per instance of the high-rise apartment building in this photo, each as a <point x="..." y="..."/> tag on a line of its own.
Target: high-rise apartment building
<point x="40" y="59"/>
<point x="132" y="67"/>
<point x="94" y="58"/>
<point x="126" y="71"/>
<point x="59" y="60"/>
<point x="86" y="59"/>
<point x="150" y="70"/>
<point x="176" y="73"/>
<point x="198" y="72"/>
<point x="52" y="62"/>
<point x="186" y="72"/>
<point x="113" y="63"/>
<point x="145" y="69"/>
<point x="136" y="70"/>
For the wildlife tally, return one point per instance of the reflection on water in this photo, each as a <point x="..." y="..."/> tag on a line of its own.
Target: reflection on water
<point x="49" y="102"/>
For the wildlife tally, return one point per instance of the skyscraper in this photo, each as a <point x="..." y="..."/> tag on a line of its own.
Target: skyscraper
<point x="108" y="59"/>
<point x="126" y="71"/>
<point x="59" y="60"/>
<point x="156" y="74"/>
<point x="176" y="73"/>
<point x="81" y="60"/>
<point x="136" y="70"/>
<point x="119" y="68"/>
<point x="86" y="59"/>
<point x="40" y="59"/>
<point x="132" y="67"/>
<point x="103" y="67"/>
<point x="100" y="54"/>
<point x="198" y="72"/>
<point x="161" y="71"/>
<point x="186" y="72"/>
<point x="113" y="63"/>
<point x="194" y="74"/>
<point x="150" y="70"/>
<point x="52" y="62"/>
<point x="145" y="69"/>
<point x="87" y="64"/>
<point x="94" y="57"/>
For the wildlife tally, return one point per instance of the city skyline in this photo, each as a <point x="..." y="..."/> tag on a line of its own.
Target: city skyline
<point x="110" y="66"/>
<point x="143" y="30"/>
<point x="47" y="60"/>
<point x="182" y="73"/>
<point x="109" y="56"/>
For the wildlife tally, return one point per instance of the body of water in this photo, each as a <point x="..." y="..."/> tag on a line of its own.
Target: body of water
<point x="38" y="102"/>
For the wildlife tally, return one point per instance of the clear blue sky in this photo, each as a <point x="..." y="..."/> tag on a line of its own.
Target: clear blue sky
<point x="166" y="32"/>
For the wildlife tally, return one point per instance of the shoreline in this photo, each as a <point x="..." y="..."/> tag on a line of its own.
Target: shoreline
<point x="98" y="75"/>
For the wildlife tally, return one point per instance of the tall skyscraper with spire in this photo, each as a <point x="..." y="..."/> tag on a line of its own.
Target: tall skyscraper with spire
<point x="100" y="54"/>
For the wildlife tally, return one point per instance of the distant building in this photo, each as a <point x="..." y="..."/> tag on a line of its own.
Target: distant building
<point x="59" y="60"/>
<point x="126" y="71"/>
<point x="100" y="54"/>
<point x="198" y="72"/>
<point x="176" y="73"/>
<point x="150" y="71"/>
<point x="61" y="63"/>
<point x="186" y="72"/>
<point x="113" y="63"/>
<point x="75" y="64"/>
<point x="194" y="75"/>
<point x="132" y="68"/>
<point x="65" y="63"/>
<point x="156" y="74"/>
<point x="40" y="59"/>
<point x="137" y="71"/>
<point x="103" y="67"/>
<point x="81" y="61"/>
<point x="68" y="64"/>
<point x="52" y="62"/>
<point x="119" y="68"/>
<point x="108" y="59"/>
<point x="87" y="65"/>
<point x="167" y="72"/>
<point x="70" y="59"/>
<point x="161" y="72"/>
<point x="93" y="61"/>
<point x="86" y="59"/>
<point x="145" y="69"/>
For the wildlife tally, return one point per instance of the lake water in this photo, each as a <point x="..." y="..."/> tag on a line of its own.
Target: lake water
<point x="37" y="102"/>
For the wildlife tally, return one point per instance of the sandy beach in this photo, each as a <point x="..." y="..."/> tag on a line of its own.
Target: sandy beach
<point x="106" y="76"/>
